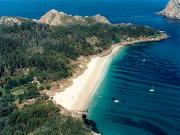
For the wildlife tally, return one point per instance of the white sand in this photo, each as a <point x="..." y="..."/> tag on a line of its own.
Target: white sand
<point x="77" y="96"/>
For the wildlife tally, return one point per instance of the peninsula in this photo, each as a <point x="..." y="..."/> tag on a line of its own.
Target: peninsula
<point x="57" y="59"/>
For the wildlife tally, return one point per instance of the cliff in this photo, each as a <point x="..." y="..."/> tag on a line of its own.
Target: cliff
<point x="172" y="10"/>
<point x="53" y="17"/>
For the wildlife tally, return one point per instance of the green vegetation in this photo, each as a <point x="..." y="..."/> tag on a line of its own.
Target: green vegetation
<point x="47" y="51"/>
<point x="35" y="50"/>
<point x="41" y="118"/>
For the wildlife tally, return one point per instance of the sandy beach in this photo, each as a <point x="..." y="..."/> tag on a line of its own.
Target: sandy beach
<point x="77" y="96"/>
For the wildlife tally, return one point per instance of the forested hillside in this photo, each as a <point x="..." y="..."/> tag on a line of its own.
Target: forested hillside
<point x="32" y="50"/>
<point x="46" y="51"/>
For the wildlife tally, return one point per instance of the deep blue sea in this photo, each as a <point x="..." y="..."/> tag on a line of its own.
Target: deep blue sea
<point x="127" y="78"/>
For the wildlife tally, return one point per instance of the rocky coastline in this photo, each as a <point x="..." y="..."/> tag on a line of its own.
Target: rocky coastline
<point x="172" y="10"/>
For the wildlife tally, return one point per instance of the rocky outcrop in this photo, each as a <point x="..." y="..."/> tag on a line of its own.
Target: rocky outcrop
<point x="100" y="19"/>
<point x="10" y="21"/>
<point x="172" y="9"/>
<point x="53" y="17"/>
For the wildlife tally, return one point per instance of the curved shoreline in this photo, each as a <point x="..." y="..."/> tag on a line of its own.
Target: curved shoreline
<point x="76" y="97"/>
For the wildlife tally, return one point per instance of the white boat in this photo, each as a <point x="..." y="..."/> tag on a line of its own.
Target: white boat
<point x="144" y="60"/>
<point x="152" y="89"/>
<point x="116" y="101"/>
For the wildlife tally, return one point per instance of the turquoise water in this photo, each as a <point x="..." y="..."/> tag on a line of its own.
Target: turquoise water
<point x="127" y="77"/>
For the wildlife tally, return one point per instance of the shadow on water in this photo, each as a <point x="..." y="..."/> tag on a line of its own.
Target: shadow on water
<point x="146" y="125"/>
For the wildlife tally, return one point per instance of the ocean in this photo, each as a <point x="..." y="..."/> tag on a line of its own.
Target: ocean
<point x="132" y="72"/>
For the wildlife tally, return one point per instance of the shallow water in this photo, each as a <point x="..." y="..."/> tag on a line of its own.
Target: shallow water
<point x="128" y="78"/>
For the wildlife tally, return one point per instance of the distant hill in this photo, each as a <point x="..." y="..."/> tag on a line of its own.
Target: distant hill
<point x="53" y="17"/>
<point x="172" y="9"/>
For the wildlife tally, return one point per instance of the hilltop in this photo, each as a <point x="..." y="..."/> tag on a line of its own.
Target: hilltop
<point x="53" y="17"/>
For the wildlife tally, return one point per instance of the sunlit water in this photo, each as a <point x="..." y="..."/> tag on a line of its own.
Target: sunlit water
<point x="128" y="78"/>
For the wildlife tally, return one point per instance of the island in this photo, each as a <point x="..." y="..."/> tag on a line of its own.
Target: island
<point x="49" y="69"/>
<point x="172" y="10"/>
